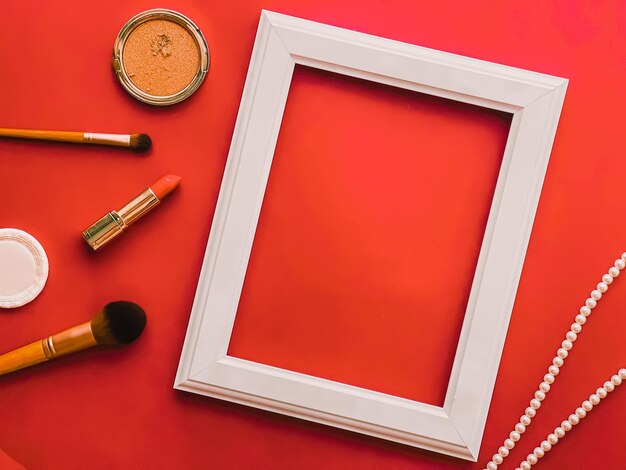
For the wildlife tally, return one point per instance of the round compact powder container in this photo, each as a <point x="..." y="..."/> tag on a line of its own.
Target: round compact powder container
<point x="160" y="57"/>
<point x="23" y="268"/>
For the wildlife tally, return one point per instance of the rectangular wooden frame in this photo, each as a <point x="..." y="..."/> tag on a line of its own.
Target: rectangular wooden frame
<point x="535" y="101"/>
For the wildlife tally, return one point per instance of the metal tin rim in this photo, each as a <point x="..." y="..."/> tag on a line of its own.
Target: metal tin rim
<point x="118" y="56"/>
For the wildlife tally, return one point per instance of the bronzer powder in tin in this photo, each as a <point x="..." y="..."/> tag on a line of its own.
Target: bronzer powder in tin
<point x="160" y="57"/>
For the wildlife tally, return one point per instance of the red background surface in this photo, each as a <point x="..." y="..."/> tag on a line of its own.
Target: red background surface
<point x="117" y="409"/>
<point x="350" y="275"/>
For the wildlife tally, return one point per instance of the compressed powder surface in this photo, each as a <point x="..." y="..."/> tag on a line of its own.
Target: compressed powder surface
<point x="161" y="57"/>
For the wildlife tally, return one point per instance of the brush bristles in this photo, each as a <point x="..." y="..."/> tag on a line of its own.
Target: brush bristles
<point x="118" y="323"/>
<point x="140" y="142"/>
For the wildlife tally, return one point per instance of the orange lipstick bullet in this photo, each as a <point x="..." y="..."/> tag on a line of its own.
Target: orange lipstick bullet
<point x="115" y="222"/>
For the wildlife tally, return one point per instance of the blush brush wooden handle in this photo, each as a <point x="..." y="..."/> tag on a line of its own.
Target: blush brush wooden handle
<point x="25" y="356"/>
<point x="131" y="141"/>
<point x="73" y="340"/>
<point x="117" y="323"/>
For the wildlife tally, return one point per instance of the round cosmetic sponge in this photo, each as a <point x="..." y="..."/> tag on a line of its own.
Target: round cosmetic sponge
<point x="23" y="268"/>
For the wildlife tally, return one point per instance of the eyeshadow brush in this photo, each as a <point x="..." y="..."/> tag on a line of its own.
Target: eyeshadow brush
<point x="137" y="142"/>
<point x="117" y="323"/>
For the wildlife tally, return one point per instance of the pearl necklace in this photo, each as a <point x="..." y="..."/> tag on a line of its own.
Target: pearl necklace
<point x="550" y="378"/>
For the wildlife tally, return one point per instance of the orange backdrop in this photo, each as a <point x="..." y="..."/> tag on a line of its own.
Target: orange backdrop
<point x="363" y="260"/>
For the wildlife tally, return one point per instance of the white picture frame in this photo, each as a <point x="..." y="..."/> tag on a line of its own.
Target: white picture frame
<point x="534" y="100"/>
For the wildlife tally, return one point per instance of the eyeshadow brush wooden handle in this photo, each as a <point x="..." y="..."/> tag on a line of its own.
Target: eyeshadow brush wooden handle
<point x="131" y="141"/>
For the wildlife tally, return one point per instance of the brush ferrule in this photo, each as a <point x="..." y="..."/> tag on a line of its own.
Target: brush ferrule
<point x="48" y="348"/>
<point x="74" y="339"/>
<point x="120" y="140"/>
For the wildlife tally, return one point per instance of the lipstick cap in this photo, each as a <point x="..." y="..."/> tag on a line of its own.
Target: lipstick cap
<point x="104" y="230"/>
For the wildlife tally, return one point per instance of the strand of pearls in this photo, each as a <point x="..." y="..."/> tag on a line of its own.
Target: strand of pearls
<point x="573" y="420"/>
<point x="558" y="361"/>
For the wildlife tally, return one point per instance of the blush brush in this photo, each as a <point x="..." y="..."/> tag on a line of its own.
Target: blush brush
<point x="136" y="142"/>
<point x="118" y="323"/>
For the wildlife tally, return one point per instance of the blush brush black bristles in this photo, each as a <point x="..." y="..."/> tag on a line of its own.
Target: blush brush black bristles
<point x="140" y="142"/>
<point x="118" y="323"/>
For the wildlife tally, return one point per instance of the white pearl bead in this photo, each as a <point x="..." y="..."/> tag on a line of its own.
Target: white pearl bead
<point x="536" y="404"/>
<point x="559" y="432"/>
<point x="617" y="380"/>
<point x="607" y="279"/>
<point x="532" y="459"/>
<point x="573" y="419"/>
<point x="539" y="452"/>
<point x="594" y="399"/>
<point x="591" y="303"/>
<point x="622" y="374"/>
<point x="571" y="336"/>
<point x="546" y="446"/>
<point x="580" y="412"/>
<point x="624" y="256"/>
<point x="530" y="412"/>
<point x="503" y="451"/>
<point x="492" y="466"/>
<point x="544" y="387"/>
<point x="520" y="428"/>
<point x="548" y="378"/>
<point x="596" y="294"/>
<point x="539" y="395"/>
<point x="553" y="438"/>
<point x="558" y="361"/>
<point x="567" y="426"/>
<point x="581" y="319"/>
<point x="515" y="436"/>
<point x="608" y="386"/>
<point x="567" y="344"/>
<point x="587" y="405"/>
<point x="619" y="263"/>
<point x="525" y="420"/>
<point x="497" y="459"/>
<point x="601" y="393"/>
<point x="562" y="353"/>
<point x="614" y="272"/>
<point x="553" y="370"/>
<point x="509" y="444"/>
<point x="576" y="328"/>
<point x="584" y="310"/>
<point x="602" y="287"/>
<point x="525" y="465"/>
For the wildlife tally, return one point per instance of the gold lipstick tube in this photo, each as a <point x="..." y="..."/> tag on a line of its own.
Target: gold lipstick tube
<point x="115" y="222"/>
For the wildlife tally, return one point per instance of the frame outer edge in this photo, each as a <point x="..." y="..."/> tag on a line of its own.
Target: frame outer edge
<point x="184" y="380"/>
